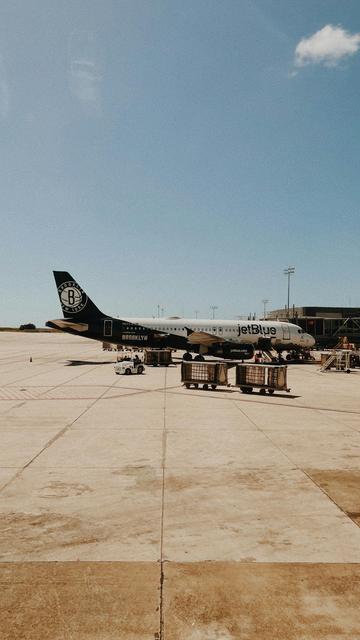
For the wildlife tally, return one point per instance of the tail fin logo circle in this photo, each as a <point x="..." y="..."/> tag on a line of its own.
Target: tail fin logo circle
<point x="73" y="299"/>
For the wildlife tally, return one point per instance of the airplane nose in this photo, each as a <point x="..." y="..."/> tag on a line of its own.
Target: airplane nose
<point x="310" y="340"/>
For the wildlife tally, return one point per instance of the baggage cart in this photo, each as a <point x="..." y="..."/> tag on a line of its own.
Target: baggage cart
<point x="155" y="357"/>
<point x="266" y="378"/>
<point x="207" y="374"/>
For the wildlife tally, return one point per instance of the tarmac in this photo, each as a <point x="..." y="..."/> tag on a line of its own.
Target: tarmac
<point x="133" y="508"/>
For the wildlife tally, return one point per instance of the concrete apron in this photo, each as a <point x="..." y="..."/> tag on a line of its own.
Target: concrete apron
<point x="134" y="509"/>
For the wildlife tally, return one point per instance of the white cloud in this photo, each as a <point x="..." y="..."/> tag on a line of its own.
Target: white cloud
<point x="85" y="79"/>
<point x="327" y="46"/>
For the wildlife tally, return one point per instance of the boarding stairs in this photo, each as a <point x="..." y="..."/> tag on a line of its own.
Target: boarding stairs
<point x="269" y="355"/>
<point x="338" y="359"/>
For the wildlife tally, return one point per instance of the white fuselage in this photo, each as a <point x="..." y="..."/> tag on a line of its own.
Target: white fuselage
<point x="281" y="334"/>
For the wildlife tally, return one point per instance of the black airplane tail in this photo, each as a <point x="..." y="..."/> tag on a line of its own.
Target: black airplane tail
<point x="74" y="302"/>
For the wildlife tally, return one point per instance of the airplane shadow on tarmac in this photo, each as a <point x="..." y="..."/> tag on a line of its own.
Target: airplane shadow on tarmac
<point x="80" y="363"/>
<point x="288" y="396"/>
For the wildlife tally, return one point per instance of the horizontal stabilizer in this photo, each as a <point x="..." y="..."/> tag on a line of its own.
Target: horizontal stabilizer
<point x="63" y="324"/>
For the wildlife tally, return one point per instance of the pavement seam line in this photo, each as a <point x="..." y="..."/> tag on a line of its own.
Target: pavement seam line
<point x="329" y="497"/>
<point x="293" y="464"/>
<point x="52" y="440"/>
<point x="163" y="464"/>
<point x="298" y="468"/>
<point x="263" y="402"/>
<point x="47" y="358"/>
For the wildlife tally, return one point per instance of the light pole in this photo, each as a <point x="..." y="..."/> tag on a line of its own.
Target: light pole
<point x="213" y="307"/>
<point x="289" y="272"/>
<point x="265" y="303"/>
<point x="196" y="313"/>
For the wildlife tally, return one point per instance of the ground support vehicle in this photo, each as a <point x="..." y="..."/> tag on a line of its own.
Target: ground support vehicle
<point x="128" y="367"/>
<point x="207" y="374"/>
<point x="265" y="377"/>
<point x="155" y="357"/>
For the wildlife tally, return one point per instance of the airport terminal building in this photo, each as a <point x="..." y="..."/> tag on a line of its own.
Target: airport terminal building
<point x="328" y="325"/>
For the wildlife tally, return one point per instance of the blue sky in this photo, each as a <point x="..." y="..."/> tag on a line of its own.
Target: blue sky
<point x="179" y="153"/>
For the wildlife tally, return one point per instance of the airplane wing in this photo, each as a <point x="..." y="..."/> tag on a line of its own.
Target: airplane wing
<point x="158" y="335"/>
<point x="202" y="337"/>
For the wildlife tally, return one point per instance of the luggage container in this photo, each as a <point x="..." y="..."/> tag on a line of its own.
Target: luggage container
<point x="264" y="377"/>
<point x="155" y="357"/>
<point x="207" y="374"/>
<point x="107" y="346"/>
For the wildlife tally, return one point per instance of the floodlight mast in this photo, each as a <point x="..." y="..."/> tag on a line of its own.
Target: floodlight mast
<point x="265" y="303"/>
<point x="289" y="272"/>
<point x="213" y="307"/>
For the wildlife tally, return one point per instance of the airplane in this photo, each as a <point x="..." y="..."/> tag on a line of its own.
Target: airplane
<point x="222" y="338"/>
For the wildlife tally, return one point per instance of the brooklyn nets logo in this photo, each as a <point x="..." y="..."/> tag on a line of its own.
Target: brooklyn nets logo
<point x="73" y="299"/>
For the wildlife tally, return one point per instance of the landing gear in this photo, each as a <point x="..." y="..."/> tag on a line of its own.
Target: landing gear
<point x="187" y="356"/>
<point x="199" y="358"/>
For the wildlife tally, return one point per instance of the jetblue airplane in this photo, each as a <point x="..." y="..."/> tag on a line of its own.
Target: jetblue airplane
<point x="222" y="338"/>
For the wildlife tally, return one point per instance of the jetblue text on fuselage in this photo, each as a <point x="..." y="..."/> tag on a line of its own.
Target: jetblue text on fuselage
<point x="256" y="329"/>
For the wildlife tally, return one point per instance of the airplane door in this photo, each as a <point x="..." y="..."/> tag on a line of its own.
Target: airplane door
<point x="108" y="328"/>
<point x="286" y="333"/>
